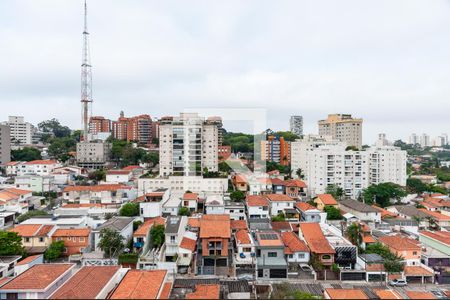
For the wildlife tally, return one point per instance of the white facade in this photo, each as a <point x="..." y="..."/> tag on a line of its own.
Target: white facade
<point x="5" y="145"/>
<point x="414" y="139"/>
<point x="38" y="167"/>
<point x="214" y="205"/>
<point x="21" y="132"/>
<point x="298" y="257"/>
<point x="277" y="207"/>
<point x="35" y="183"/>
<point x="235" y="210"/>
<point x="172" y="205"/>
<point x="296" y="125"/>
<point x="258" y="212"/>
<point x="175" y="230"/>
<point x="187" y="134"/>
<point x="117" y="177"/>
<point x="195" y="184"/>
<point x="425" y="140"/>
<point x="324" y="163"/>
<point x="93" y="154"/>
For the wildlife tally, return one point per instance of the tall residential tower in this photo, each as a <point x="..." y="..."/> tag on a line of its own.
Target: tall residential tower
<point x="344" y="128"/>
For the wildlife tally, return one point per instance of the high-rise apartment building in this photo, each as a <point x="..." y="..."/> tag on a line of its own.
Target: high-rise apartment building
<point x="342" y="127"/>
<point x="296" y="125"/>
<point x="413" y="139"/>
<point x="382" y="140"/>
<point x="21" y="131"/>
<point x="137" y="129"/>
<point x="93" y="154"/>
<point x="98" y="124"/>
<point x="220" y="130"/>
<point x="324" y="162"/>
<point x="5" y="145"/>
<point x="425" y="140"/>
<point x="187" y="145"/>
<point x="276" y="149"/>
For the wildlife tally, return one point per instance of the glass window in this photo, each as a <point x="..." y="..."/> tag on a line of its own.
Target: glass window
<point x="272" y="254"/>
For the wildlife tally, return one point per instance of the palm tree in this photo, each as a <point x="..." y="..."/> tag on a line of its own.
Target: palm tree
<point x="299" y="173"/>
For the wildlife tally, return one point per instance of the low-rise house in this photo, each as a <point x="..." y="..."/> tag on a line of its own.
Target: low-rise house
<point x="27" y="263"/>
<point x="76" y="240"/>
<point x="190" y="200"/>
<point x="240" y="182"/>
<point x="387" y="294"/>
<point x="118" y="176"/>
<point x="361" y="210"/>
<point x="7" y="219"/>
<point x="440" y="240"/>
<point x="171" y="206"/>
<point x="345" y="252"/>
<point x="142" y="235"/>
<point x="270" y="258"/>
<point x="257" y="207"/>
<point x="186" y="251"/>
<point x="319" y="246"/>
<point x="410" y="212"/>
<point x="14" y="200"/>
<point x="123" y="225"/>
<point x="344" y="294"/>
<point x="11" y="168"/>
<point x="245" y="248"/>
<point x="323" y="200"/>
<point x="142" y="284"/>
<point x="436" y="219"/>
<point x="151" y="204"/>
<point x="214" y="205"/>
<point x="405" y="247"/>
<point x="295" y="249"/>
<point x="259" y="186"/>
<point x="90" y="282"/>
<point x="7" y="265"/>
<point x="278" y="186"/>
<point x="38" y="282"/>
<point x="103" y="193"/>
<point x="215" y="236"/>
<point x="295" y="188"/>
<point x="205" y="291"/>
<point x="35" y="237"/>
<point x="174" y="233"/>
<point x="280" y="203"/>
<point x="309" y="213"/>
<point x="373" y="265"/>
<point x="39" y="167"/>
<point x="420" y="295"/>
<point x="61" y="221"/>
<point x="36" y="183"/>
<point x="236" y="210"/>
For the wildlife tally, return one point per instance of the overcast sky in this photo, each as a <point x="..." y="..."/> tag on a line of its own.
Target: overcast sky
<point x="383" y="60"/>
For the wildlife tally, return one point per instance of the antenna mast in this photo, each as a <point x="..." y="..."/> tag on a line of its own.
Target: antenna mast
<point x="86" y="79"/>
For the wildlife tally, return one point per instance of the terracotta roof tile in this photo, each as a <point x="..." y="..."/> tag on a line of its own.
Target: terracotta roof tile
<point x="327" y="199"/>
<point x="303" y="206"/>
<point x="293" y="242"/>
<point x="419" y="295"/>
<point x="279" y="197"/>
<point x="242" y="237"/>
<point x="143" y="229"/>
<point x="41" y="162"/>
<point x="165" y="293"/>
<point x="96" y="188"/>
<point x="194" y="222"/>
<point x="77" y="232"/>
<point x="87" y="283"/>
<point x="436" y="215"/>
<point x="315" y="238"/>
<point x="385" y="213"/>
<point x="238" y="224"/>
<point x="189" y="244"/>
<point x="441" y="236"/>
<point x="28" y="259"/>
<point x="417" y="271"/>
<point x="215" y="226"/>
<point x="38" y="277"/>
<point x="387" y="294"/>
<point x="140" y="284"/>
<point x="281" y="226"/>
<point x="346" y="294"/>
<point x="45" y="230"/>
<point x="26" y="230"/>
<point x="118" y="172"/>
<point x="205" y="291"/>
<point x="296" y="183"/>
<point x="368" y="239"/>
<point x="256" y="200"/>
<point x="399" y="243"/>
<point x="275" y="240"/>
<point x="190" y="196"/>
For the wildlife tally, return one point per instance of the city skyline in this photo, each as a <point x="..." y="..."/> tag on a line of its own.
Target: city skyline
<point x="161" y="60"/>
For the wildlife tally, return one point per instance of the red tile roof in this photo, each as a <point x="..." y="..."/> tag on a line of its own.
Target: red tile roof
<point x="240" y="179"/>
<point x="417" y="271"/>
<point x="87" y="283"/>
<point x="256" y="200"/>
<point x="315" y="238"/>
<point x="194" y="222"/>
<point x="38" y="277"/>
<point x="279" y="197"/>
<point x="399" y="243"/>
<point x="140" y="284"/>
<point x="419" y="295"/>
<point x="327" y="199"/>
<point x="165" y="293"/>
<point x="41" y="162"/>
<point x="436" y="215"/>
<point x="26" y="230"/>
<point x="190" y="196"/>
<point x="130" y="168"/>
<point x="118" y="172"/>
<point x="77" y="232"/>
<point x="441" y="236"/>
<point x="346" y="294"/>
<point x="217" y="226"/>
<point x="368" y="239"/>
<point x="45" y="230"/>
<point x="96" y="188"/>
<point x="205" y="291"/>
<point x="387" y="294"/>
<point x="189" y="244"/>
<point x="303" y="206"/>
<point x="296" y="183"/>
<point x="238" y="224"/>
<point x="385" y="213"/>
<point x="281" y="226"/>
<point x="28" y="259"/>
<point x="242" y="237"/>
<point x="143" y="229"/>
<point x="293" y="243"/>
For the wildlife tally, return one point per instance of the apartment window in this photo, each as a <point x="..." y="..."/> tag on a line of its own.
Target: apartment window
<point x="172" y="239"/>
<point x="41" y="240"/>
<point x="414" y="252"/>
<point x="272" y="254"/>
<point x="247" y="249"/>
<point x="81" y="239"/>
<point x="290" y="256"/>
<point x="27" y="240"/>
<point x="301" y="255"/>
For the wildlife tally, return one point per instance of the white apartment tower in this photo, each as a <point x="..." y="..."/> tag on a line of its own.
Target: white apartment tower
<point x="296" y="125"/>
<point x="344" y="128"/>
<point x="425" y="140"/>
<point x="5" y="145"/>
<point x="21" y="131"/>
<point x="325" y="162"/>
<point x="413" y="139"/>
<point x="188" y="144"/>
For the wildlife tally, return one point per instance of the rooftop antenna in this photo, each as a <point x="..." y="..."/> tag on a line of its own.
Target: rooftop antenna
<point x="86" y="79"/>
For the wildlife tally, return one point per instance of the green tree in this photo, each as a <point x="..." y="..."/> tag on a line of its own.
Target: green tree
<point x="336" y="191"/>
<point x="299" y="173"/>
<point x="30" y="214"/>
<point x="97" y="175"/>
<point x="383" y="193"/>
<point x="237" y="196"/>
<point x="54" y="251"/>
<point x="129" y="209"/>
<point x="55" y="128"/>
<point x="332" y="213"/>
<point x="414" y="185"/>
<point x="25" y="154"/>
<point x="157" y="235"/>
<point x="10" y="244"/>
<point x="354" y="234"/>
<point x="59" y="148"/>
<point x="392" y="262"/>
<point x="151" y="157"/>
<point x="351" y="148"/>
<point x="111" y="242"/>
<point x="137" y="224"/>
<point x="224" y="167"/>
<point x="279" y="218"/>
<point x="184" y="211"/>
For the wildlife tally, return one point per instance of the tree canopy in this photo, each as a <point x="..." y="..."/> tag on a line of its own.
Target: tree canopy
<point x="237" y="196"/>
<point x="31" y="214"/>
<point x="383" y="193"/>
<point x="54" y="251"/>
<point x="54" y="127"/>
<point x="129" y="210"/>
<point x="332" y="213"/>
<point x="158" y="236"/>
<point x="336" y="191"/>
<point x="111" y="242"/>
<point x="392" y="263"/>
<point x="10" y="244"/>
<point x="25" y="154"/>
<point x="184" y="211"/>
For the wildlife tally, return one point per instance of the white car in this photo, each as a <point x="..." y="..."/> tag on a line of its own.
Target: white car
<point x="398" y="282"/>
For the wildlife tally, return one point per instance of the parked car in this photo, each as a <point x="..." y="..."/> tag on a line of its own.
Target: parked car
<point x="398" y="282"/>
<point x="305" y="267"/>
<point x="247" y="277"/>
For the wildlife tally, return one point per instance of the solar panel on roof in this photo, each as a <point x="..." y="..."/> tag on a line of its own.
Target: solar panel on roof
<point x="268" y="236"/>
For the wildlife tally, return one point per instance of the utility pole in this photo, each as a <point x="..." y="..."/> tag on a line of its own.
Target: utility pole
<point x="86" y="79"/>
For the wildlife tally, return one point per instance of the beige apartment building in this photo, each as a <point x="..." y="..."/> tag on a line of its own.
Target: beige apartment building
<point x="343" y="128"/>
<point x="5" y="145"/>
